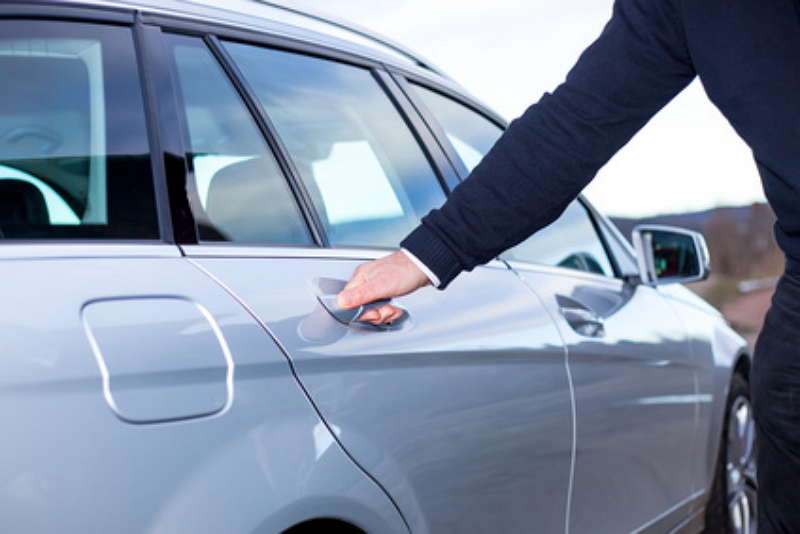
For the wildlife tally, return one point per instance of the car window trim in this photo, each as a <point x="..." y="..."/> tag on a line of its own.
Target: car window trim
<point x="449" y="89"/>
<point x="593" y="218"/>
<point x="104" y="14"/>
<point x="432" y="124"/>
<point x="172" y="218"/>
<point x="274" y="142"/>
<point x="608" y="231"/>
<point x="277" y="39"/>
<point x="214" y="36"/>
<point x="429" y="145"/>
<point x="435" y="128"/>
<point x="435" y="158"/>
<point x="87" y="248"/>
<point x="291" y="37"/>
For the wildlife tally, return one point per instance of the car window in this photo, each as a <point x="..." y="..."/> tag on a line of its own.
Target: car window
<point x="74" y="151"/>
<point x="619" y="248"/>
<point x="470" y="133"/>
<point x="571" y="242"/>
<point x="366" y="174"/>
<point x="239" y="192"/>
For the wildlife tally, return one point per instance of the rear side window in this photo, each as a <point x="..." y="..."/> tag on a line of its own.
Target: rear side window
<point x="74" y="154"/>
<point x="240" y="193"/>
<point x="365" y="172"/>
<point x="471" y="134"/>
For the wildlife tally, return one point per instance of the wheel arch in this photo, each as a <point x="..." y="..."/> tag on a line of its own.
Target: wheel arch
<point x="324" y="525"/>
<point x="742" y="366"/>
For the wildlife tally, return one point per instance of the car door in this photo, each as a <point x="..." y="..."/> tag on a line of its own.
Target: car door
<point x="635" y="380"/>
<point x="137" y="395"/>
<point x="633" y="372"/>
<point x="462" y="410"/>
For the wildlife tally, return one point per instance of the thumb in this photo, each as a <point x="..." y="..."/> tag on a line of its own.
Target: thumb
<point x="348" y="299"/>
<point x="357" y="295"/>
<point x="384" y="278"/>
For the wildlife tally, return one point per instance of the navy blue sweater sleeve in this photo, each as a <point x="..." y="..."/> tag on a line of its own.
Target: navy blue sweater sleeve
<point x="549" y="154"/>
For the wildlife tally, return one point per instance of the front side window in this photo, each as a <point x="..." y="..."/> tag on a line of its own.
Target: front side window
<point x="74" y="153"/>
<point x="367" y="176"/>
<point x="570" y="242"/>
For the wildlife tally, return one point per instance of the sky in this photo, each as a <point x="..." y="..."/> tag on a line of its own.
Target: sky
<point x="507" y="53"/>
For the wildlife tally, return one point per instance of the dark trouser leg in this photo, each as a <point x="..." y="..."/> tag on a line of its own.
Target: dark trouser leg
<point x="776" y="404"/>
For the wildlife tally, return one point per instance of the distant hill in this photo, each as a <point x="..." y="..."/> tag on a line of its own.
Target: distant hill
<point x="698" y="220"/>
<point x="692" y="221"/>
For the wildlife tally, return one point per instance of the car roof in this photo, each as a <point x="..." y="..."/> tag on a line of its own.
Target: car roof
<point x="281" y="17"/>
<point x="284" y="19"/>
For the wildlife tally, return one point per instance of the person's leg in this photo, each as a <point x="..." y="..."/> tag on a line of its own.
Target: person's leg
<point x="775" y="384"/>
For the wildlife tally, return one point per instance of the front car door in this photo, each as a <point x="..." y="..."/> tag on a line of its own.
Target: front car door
<point x="634" y="373"/>
<point x="635" y="380"/>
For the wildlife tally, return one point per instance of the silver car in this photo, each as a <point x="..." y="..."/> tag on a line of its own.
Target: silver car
<point x="184" y="189"/>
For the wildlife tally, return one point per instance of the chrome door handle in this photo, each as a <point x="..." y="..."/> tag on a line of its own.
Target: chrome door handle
<point x="343" y="315"/>
<point x="327" y="290"/>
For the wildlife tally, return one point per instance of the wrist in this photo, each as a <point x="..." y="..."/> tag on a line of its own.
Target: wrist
<point x="434" y="280"/>
<point x="426" y="248"/>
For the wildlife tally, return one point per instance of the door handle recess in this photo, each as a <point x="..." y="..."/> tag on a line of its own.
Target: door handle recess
<point x="343" y="315"/>
<point x="583" y="320"/>
<point x="328" y="289"/>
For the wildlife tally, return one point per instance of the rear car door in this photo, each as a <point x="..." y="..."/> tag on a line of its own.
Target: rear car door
<point x="137" y="395"/>
<point x="461" y="411"/>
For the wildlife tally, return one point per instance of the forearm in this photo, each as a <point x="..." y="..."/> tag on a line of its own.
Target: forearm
<point x="548" y="155"/>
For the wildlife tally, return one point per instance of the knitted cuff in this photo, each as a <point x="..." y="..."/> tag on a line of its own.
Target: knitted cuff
<point x="434" y="254"/>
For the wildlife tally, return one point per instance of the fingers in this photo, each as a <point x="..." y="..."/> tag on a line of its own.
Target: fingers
<point x="383" y="315"/>
<point x="360" y="275"/>
<point x="353" y="298"/>
<point x="383" y="279"/>
<point x="392" y="276"/>
<point x="358" y="292"/>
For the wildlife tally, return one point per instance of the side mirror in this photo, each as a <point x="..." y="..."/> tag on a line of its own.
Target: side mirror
<point x="668" y="255"/>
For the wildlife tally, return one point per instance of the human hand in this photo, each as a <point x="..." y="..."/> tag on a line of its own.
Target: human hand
<point x="392" y="276"/>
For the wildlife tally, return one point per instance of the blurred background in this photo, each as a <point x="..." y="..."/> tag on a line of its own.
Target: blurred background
<point x="686" y="167"/>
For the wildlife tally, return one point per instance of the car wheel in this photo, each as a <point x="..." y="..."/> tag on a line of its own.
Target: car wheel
<point x="732" y="507"/>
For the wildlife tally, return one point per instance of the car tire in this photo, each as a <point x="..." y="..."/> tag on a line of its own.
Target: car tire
<point x="732" y="506"/>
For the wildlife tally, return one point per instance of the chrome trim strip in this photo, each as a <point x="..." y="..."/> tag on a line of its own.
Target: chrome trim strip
<point x="675" y="519"/>
<point x="237" y="250"/>
<point x="72" y="250"/>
